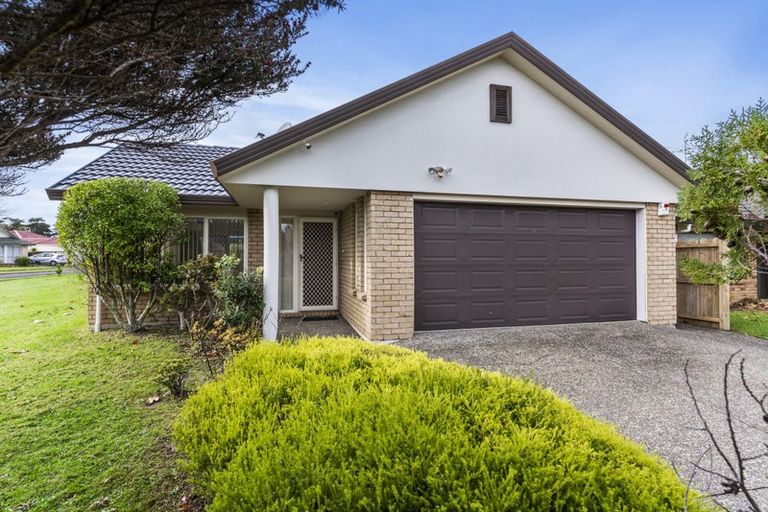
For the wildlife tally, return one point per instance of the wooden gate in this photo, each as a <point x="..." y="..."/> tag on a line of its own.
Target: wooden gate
<point x="702" y="304"/>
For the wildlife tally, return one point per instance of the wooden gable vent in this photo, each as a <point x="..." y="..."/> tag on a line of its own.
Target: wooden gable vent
<point x="501" y="103"/>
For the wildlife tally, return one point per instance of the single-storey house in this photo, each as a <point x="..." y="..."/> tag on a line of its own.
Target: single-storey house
<point x="491" y="189"/>
<point x="38" y="242"/>
<point x="11" y="247"/>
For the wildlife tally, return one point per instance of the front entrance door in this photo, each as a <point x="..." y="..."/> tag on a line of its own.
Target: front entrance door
<point x="317" y="264"/>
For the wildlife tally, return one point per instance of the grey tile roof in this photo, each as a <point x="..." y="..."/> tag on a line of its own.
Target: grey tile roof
<point x="185" y="167"/>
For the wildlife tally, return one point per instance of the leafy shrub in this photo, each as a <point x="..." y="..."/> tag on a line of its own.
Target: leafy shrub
<point x="173" y="376"/>
<point x="218" y="343"/>
<point x="190" y="291"/>
<point x="117" y="232"/>
<point x="340" y="424"/>
<point x="240" y="295"/>
<point x="22" y="261"/>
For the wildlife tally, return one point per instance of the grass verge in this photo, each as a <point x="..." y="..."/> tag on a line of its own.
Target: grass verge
<point x="74" y="429"/>
<point x="31" y="268"/>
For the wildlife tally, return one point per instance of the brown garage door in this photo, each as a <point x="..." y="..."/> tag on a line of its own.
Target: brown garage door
<point x="488" y="265"/>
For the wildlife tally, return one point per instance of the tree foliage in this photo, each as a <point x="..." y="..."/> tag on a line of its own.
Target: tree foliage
<point x="39" y="226"/>
<point x="33" y="224"/>
<point x="729" y="197"/>
<point x="117" y="232"/>
<point x="77" y="73"/>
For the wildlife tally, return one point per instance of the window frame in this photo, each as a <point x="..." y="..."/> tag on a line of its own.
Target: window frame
<point x="206" y="230"/>
<point x="295" y="264"/>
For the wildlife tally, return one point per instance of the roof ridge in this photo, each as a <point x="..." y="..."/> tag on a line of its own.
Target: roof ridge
<point x="425" y="77"/>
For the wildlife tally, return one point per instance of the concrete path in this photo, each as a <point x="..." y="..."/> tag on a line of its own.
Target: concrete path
<point x="298" y="327"/>
<point x="630" y="374"/>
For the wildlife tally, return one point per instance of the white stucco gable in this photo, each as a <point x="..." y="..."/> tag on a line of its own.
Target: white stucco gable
<point x="548" y="151"/>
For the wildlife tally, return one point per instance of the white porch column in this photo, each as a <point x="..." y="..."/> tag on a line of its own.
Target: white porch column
<point x="271" y="262"/>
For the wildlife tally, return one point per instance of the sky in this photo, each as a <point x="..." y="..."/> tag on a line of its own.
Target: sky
<point x="671" y="67"/>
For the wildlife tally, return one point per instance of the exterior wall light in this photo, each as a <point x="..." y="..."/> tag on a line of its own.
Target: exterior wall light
<point x="440" y="172"/>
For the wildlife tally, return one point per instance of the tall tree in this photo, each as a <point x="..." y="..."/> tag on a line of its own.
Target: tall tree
<point x="13" y="223"/>
<point x="39" y="226"/>
<point x="729" y="197"/>
<point x="77" y="73"/>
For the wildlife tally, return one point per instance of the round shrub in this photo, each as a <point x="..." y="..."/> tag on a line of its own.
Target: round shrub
<point x="22" y="261"/>
<point x="340" y="424"/>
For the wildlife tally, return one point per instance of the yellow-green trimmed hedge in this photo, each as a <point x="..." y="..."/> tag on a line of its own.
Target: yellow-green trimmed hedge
<point x="341" y="424"/>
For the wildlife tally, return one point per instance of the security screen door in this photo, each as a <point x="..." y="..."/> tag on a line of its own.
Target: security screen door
<point x="317" y="264"/>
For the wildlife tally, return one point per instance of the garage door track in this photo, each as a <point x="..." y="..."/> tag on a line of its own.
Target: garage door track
<point x="629" y="374"/>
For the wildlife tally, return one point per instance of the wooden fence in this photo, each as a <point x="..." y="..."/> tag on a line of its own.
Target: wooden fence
<point x="702" y="304"/>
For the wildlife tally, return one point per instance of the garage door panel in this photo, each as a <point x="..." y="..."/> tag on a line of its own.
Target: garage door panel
<point x="572" y="222"/>
<point x="574" y="309"/>
<point x="530" y="311"/>
<point x="616" y="251"/>
<point x="529" y="280"/>
<point x="440" y="281"/>
<point x="489" y="250"/>
<point x="486" y="265"/>
<point x="612" y="308"/>
<point x="572" y="280"/>
<point x="433" y="216"/>
<point x="487" y="313"/>
<point x="440" y="316"/>
<point x="485" y="281"/>
<point x="612" y="222"/>
<point x="612" y="279"/>
<point x="439" y="249"/>
<point x="488" y="219"/>
<point x="528" y="250"/>
<point x="572" y="251"/>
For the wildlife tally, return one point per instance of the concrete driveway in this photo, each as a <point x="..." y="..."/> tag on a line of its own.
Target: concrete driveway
<point x="629" y="374"/>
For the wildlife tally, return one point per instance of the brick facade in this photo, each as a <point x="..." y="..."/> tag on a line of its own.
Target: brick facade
<point x="160" y="318"/>
<point x="376" y="276"/>
<point x="255" y="223"/>
<point x="353" y="299"/>
<point x="376" y="271"/>
<point x="661" y="276"/>
<point x="746" y="288"/>
<point x="390" y="264"/>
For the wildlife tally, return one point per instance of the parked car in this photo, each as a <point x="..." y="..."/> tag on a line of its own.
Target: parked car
<point x="48" y="258"/>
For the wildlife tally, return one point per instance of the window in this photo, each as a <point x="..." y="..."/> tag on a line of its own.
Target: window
<point x="211" y="236"/>
<point x="501" y="104"/>
<point x="361" y="243"/>
<point x="226" y="236"/>
<point x="191" y="244"/>
<point x="287" y="237"/>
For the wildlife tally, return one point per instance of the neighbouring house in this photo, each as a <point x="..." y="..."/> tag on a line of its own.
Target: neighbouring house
<point x="491" y="189"/>
<point x="38" y="242"/>
<point x="11" y="247"/>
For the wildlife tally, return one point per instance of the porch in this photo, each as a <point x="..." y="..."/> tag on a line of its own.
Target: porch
<point x="329" y="252"/>
<point x="292" y="327"/>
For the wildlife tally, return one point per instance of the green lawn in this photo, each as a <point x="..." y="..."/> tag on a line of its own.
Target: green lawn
<point x="754" y="323"/>
<point x="73" y="425"/>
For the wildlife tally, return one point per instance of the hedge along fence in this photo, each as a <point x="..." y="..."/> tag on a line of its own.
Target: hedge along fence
<point x="340" y="424"/>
